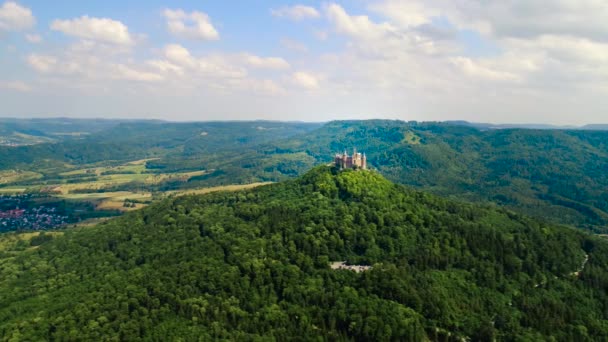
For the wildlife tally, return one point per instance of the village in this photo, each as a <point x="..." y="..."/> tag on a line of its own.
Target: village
<point x="17" y="213"/>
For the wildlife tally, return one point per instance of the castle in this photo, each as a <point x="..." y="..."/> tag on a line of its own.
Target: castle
<point x="356" y="161"/>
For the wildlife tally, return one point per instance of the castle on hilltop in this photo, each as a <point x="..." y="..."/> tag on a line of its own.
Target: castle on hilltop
<point x="356" y="161"/>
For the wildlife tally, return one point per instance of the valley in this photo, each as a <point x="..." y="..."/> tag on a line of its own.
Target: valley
<point x="557" y="175"/>
<point x="91" y="192"/>
<point x="348" y="171"/>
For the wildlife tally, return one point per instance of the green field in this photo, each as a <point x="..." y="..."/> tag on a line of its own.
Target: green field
<point x="94" y="178"/>
<point x="125" y="187"/>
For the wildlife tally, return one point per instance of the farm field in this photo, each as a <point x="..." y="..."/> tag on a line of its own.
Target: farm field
<point x="92" y="192"/>
<point x="12" y="176"/>
<point x="234" y="187"/>
<point x="89" y="179"/>
<point x="9" y="191"/>
<point x="128" y="201"/>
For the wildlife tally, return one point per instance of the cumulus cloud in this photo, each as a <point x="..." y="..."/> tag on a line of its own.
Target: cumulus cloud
<point x="406" y="13"/>
<point x="223" y="73"/>
<point x="217" y="64"/>
<point x="509" y="18"/>
<point x="296" y="12"/>
<point x="478" y="70"/>
<point x="103" y="30"/>
<point x="446" y="59"/>
<point x="90" y="67"/>
<point x="42" y="63"/>
<point x="194" y="25"/>
<point x="265" y="62"/>
<point x="14" y="17"/>
<point x="359" y="26"/>
<point x="305" y="80"/>
<point x="385" y="40"/>
<point x="165" y="67"/>
<point x="125" y="72"/>
<point x="209" y="66"/>
<point x="179" y="55"/>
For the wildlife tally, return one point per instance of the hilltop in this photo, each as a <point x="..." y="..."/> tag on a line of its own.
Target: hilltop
<point x="551" y="174"/>
<point x="256" y="263"/>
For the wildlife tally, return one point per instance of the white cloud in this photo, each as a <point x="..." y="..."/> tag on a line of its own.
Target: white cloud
<point x="217" y="64"/>
<point x="195" y="25"/>
<point x="165" y="67"/>
<point x="216" y="67"/>
<point x="103" y="30"/>
<point x="518" y="61"/>
<point x="356" y="26"/>
<point x="124" y="72"/>
<point x="509" y="18"/>
<point x="179" y="55"/>
<point x="95" y="66"/>
<point x="15" y="85"/>
<point x="384" y="40"/>
<point x="33" y="38"/>
<point x="478" y="70"/>
<point x="218" y="72"/>
<point x="265" y="62"/>
<point x="305" y="80"/>
<point x="296" y="12"/>
<point x="14" y="17"/>
<point x="406" y="13"/>
<point x="42" y="63"/>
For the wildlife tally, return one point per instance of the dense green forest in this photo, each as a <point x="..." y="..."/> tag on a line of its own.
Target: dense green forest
<point x="558" y="175"/>
<point x="555" y="174"/>
<point x="254" y="265"/>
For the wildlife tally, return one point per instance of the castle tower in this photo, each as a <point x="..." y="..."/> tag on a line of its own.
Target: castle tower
<point x="357" y="160"/>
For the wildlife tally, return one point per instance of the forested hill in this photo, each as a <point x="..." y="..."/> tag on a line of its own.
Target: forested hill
<point x="256" y="264"/>
<point x="559" y="175"/>
<point x="125" y="141"/>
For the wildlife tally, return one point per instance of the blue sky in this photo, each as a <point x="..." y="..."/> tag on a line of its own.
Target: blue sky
<point x="503" y="61"/>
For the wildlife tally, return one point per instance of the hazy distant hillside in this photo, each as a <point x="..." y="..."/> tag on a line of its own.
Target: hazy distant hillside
<point x="120" y="141"/>
<point x="255" y="265"/>
<point x="17" y="132"/>
<point x="560" y="175"/>
<point x="556" y="174"/>
<point x="599" y="127"/>
<point x="483" y="126"/>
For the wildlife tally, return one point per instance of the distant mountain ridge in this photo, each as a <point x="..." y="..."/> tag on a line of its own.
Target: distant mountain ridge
<point x="600" y="127"/>
<point x="556" y="174"/>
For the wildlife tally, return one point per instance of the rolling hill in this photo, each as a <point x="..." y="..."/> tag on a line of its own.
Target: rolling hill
<point x="558" y="175"/>
<point x="255" y="265"/>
